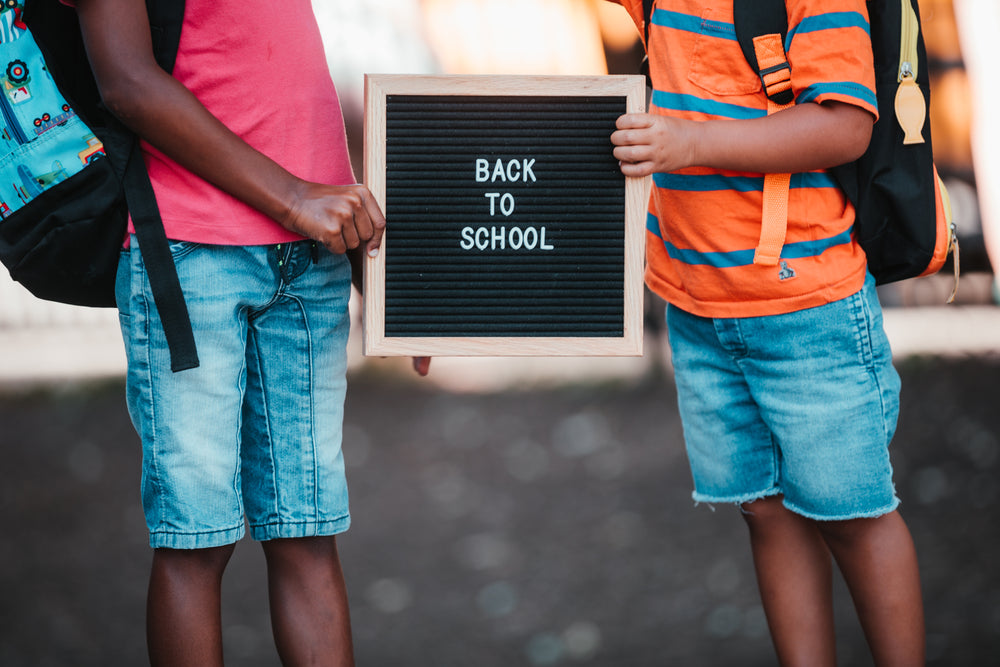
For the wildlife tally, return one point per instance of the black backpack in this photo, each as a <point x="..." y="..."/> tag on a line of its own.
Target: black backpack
<point x="903" y="218"/>
<point x="76" y="172"/>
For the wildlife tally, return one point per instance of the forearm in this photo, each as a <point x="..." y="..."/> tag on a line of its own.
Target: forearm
<point x="165" y="113"/>
<point x="805" y="137"/>
<point x="179" y="126"/>
<point x="801" y="138"/>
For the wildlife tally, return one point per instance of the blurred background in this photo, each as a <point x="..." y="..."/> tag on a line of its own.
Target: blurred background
<point x="521" y="511"/>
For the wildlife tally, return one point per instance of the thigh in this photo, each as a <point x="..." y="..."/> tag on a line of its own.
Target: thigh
<point x="732" y="455"/>
<point x="825" y="383"/>
<point x="190" y="421"/>
<point x="294" y="483"/>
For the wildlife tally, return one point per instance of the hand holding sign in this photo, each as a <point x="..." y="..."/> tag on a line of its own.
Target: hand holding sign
<point x="340" y="217"/>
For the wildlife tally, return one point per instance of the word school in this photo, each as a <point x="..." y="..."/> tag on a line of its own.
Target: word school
<point x="503" y="237"/>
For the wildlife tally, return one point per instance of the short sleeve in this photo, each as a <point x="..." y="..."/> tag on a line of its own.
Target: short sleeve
<point x="634" y="9"/>
<point x="830" y="51"/>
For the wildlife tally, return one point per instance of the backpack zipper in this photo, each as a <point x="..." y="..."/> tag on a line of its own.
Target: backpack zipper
<point x="910" y="104"/>
<point x="908" y="42"/>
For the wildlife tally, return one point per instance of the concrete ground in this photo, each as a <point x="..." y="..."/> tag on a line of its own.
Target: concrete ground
<point x="517" y="527"/>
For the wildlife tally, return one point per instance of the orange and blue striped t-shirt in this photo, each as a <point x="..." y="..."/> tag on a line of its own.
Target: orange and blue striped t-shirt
<point x="704" y="224"/>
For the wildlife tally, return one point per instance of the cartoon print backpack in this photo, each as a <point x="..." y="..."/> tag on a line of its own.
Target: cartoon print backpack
<point x="70" y="173"/>
<point x="904" y="222"/>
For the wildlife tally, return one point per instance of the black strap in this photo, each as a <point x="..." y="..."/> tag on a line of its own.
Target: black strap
<point x="159" y="263"/>
<point x="647" y="13"/>
<point x="166" y="18"/>
<point x="753" y="18"/>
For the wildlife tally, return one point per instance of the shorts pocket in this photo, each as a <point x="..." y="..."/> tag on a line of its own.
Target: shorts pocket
<point x="181" y="249"/>
<point x="717" y="62"/>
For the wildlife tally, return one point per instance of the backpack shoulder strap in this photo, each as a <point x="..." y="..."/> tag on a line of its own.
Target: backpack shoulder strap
<point x="165" y="18"/>
<point x="754" y="20"/>
<point x="761" y="28"/>
<point x="647" y="16"/>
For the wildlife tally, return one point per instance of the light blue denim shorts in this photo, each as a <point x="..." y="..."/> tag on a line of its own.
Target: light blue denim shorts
<point x="252" y="436"/>
<point x="802" y="405"/>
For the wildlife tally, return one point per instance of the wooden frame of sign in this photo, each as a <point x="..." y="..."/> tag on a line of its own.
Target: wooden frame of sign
<point x="510" y="228"/>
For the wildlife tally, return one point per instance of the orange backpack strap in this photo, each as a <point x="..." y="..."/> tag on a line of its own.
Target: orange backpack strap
<point x="776" y="75"/>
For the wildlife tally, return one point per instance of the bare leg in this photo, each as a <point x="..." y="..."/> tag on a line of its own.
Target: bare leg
<point x="879" y="565"/>
<point x="184" y="608"/>
<point x="795" y="577"/>
<point x="309" y="612"/>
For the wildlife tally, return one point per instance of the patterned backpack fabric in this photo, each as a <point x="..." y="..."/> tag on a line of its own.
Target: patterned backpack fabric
<point x="36" y="113"/>
<point x="70" y="173"/>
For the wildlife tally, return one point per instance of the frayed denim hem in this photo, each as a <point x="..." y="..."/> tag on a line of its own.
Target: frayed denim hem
<point x="870" y="514"/>
<point x="711" y="501"/>
<point x="700" y="498"/>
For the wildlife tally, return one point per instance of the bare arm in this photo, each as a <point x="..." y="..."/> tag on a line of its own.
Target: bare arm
<point x="168" y="116"/>
<point x="801" y="138"/>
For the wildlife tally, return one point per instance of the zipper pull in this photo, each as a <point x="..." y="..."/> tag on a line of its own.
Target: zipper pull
<point x="911" y="107"/>
<point x="956" y="261"/>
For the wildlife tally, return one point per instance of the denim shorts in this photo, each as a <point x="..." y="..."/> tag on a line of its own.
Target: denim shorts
<point x="252" y="436"/>
<point x="802" y="405"/>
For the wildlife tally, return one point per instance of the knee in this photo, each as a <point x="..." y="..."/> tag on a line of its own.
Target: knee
<point x="855" y="531"/>
<point x="309" y="563"/>
<point x="763" y="511"/>
<point x="193" y="562"/>
<point x="301" y="551"/>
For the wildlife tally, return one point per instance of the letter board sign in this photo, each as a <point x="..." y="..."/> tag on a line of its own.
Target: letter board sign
<point x="510" y="228"/>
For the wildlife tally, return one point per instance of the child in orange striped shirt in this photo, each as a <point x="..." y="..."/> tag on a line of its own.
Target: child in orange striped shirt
<point x="785" y="381"/>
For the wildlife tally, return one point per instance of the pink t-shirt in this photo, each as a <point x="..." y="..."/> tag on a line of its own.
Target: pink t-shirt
<point x="260" y="68"/>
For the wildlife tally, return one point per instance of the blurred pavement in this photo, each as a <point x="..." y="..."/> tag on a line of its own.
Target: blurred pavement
<point x="532" y="527"/>
<point x="45" y="342"/>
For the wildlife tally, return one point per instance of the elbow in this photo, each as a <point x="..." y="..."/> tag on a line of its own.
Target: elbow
<point x="857" y="132"/>
<point x="121" y="98"/>
<point x="861" y="139"/>
<point x="129" y="94"/>
<point x="846" y="131"/>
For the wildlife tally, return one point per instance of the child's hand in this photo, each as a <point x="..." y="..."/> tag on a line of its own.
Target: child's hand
<point x="340" y="217"/>
<point x="647" y="143"/>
